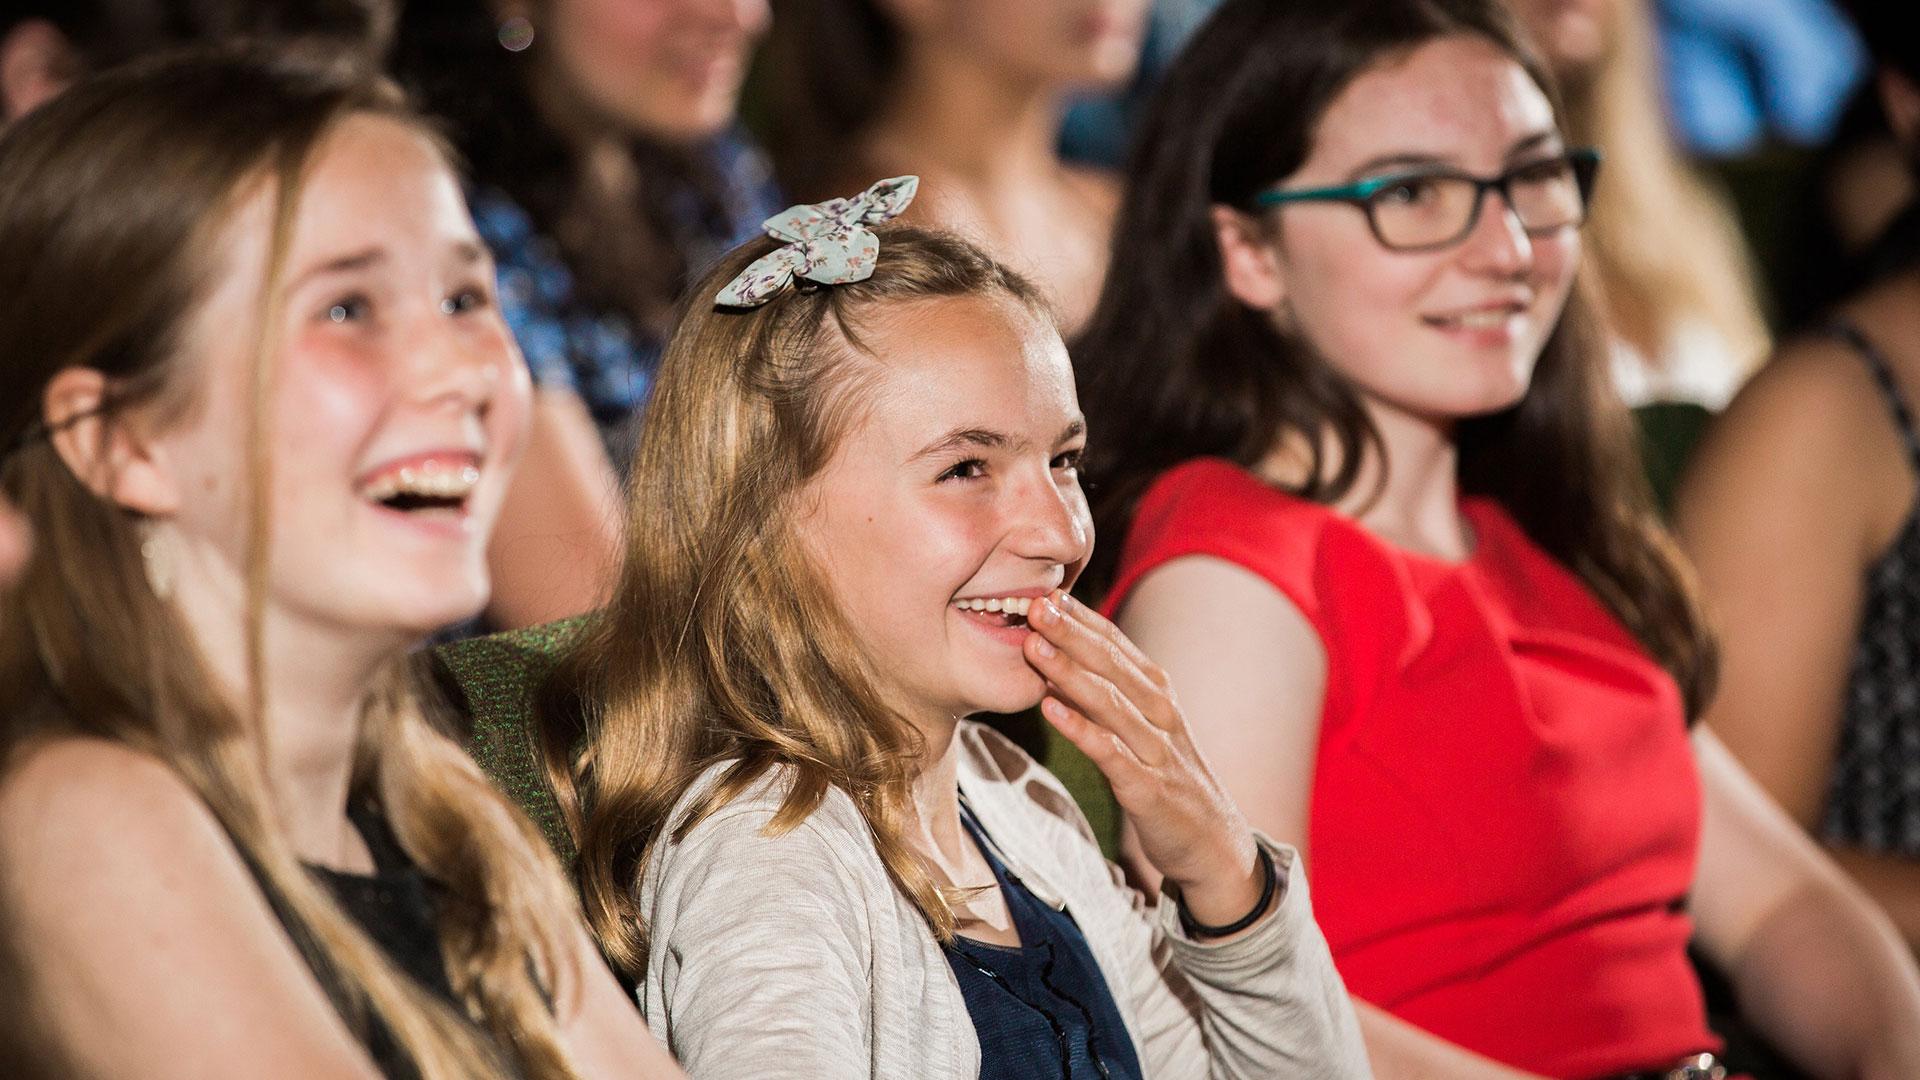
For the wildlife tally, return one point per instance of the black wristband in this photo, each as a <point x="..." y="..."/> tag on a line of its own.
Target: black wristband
<point x="1200" y="930"/>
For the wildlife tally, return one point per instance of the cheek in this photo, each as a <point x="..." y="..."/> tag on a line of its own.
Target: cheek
<point x="1354" y="301"/>
<point x="328" y="402"/>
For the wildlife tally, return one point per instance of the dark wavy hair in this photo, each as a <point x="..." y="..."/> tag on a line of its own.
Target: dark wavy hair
<point x="1173" y="367"/>
<point x="829" y="68"/>
<point x="105" y="33"/>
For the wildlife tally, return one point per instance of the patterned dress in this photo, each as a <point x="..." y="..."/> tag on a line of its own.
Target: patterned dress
<point x="1873" y="796"/>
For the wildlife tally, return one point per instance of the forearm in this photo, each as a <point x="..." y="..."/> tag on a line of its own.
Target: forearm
<point x="1830" y="981"/>
<point x="1894" y="884"/>
<point x="1400" y="1051"/>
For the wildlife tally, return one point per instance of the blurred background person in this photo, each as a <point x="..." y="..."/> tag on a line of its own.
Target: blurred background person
<point x="46" y="44"/>
<point x="969" y="95"/>
<point x="1801" y="515"/>
<point x="606" y="165"/>
<point x="1675" y="280"/>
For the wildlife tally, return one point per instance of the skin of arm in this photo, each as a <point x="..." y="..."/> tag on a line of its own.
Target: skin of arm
<point x="1800" y="485"/>
<point x="1814" y="963"/>
<point x="1252" y="674"/>
<point x="15" y="543"/>
<point x="152" y="951"/>
<point x="556" y="548"/>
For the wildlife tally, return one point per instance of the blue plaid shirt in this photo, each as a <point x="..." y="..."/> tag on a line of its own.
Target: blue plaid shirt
<point x="599" y="355"/>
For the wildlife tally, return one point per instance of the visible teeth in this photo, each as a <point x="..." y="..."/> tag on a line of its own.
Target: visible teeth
<point x="1480" y="320"/>
<point x="1011" y="605"/>
<point x="427" y="482"/>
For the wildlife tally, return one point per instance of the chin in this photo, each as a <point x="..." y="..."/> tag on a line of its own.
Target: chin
<point x="1009" y="693"/>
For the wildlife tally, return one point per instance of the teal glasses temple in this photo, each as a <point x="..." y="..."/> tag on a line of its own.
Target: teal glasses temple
<point x="1585" y="160"/>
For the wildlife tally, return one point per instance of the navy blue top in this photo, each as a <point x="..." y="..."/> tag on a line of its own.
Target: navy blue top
<point x="1042" y="1010"/>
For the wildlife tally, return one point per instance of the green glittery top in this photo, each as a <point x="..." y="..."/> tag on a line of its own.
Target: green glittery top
<point x="496" y="679"/>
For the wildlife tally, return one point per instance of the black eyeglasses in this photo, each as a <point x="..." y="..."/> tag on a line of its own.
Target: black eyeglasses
<point x="1426" y="209"/>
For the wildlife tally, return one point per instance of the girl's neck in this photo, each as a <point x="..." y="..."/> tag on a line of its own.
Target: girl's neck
<point x="1407" y="491"/>
<point x="317" y="678"/>
<point x="936" y="794"/>
<point x="975" y="126"/>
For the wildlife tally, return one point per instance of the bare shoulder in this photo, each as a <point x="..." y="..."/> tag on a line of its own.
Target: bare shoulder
<point x="1811" y="427"/>
<point x="95" y="801"/>
<point x="1206" y="599"/>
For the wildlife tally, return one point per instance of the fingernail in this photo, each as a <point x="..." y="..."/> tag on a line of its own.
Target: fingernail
<point x="1052" y="609"/>
<point x="1043" y="646"/>
<point x="1052" y="708"/>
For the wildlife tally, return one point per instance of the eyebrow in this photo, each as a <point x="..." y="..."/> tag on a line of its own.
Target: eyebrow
<point x="465" y="252"/>
<point x="343" y="264"/>
<point x="987" y="439"/>
<point x="1374" y="166"/>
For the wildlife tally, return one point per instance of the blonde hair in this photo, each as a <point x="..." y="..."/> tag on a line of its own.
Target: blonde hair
<point x="722" y="644"/>
<point x="1663" y="245"/>
<point x="111" y="201"/>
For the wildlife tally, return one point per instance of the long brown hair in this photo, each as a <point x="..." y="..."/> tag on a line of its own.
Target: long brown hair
<point x="1663" y="246"/>
<point x="1173" y="367"/>
<point x="111" y="201"/>
<point x="722" y="643"/>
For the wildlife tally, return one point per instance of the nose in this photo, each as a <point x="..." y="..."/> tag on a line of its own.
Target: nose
<point x="1498" y="245"/>
<point x="456" y="363"/>
<point x="1050" y="522"/>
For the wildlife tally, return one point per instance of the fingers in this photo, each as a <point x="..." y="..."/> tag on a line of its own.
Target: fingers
<point x="1097" y="646"/>
<point x="1106" y="750"/>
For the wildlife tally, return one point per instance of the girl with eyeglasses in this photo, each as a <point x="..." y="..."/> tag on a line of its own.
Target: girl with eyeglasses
<point x="1383" y="527"/>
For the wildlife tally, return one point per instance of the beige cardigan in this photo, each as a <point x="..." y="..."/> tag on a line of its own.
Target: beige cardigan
<point x="796" y="957"/>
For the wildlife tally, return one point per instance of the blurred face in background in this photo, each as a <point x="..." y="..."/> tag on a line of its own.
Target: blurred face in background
<point x="1068" y="43"/>
<point x="1573" y="36"/>
<point x="667" y="69"/>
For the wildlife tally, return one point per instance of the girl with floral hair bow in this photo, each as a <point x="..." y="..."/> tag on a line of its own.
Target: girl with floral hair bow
<point x="856" y="511"/>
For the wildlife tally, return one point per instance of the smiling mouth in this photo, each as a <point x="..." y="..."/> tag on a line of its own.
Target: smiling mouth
<point x="998" y="611"/>
<point x="423" y="486"/>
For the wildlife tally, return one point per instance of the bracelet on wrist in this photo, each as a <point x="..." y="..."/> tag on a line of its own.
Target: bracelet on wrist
<point x="1201" y="931"/>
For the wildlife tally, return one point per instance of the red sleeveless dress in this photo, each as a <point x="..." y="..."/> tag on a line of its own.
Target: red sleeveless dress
<point x="1505" y="812"/>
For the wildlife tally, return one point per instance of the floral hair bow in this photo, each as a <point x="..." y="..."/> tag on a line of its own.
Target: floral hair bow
<point x="827" y="243"/>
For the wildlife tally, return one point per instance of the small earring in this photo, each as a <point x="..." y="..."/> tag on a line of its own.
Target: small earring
<point x="157" y="560"/>
<point x="516" y="31"/>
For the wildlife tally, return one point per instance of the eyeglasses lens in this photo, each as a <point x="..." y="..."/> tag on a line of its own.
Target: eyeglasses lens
<point x="1431" y="211"/>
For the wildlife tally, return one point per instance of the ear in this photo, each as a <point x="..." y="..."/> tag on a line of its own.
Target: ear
<point x="115" y="457"/>
<point x="1900" y="100"/>
<point x="1248" y="259"/>
<point x="36" y="63"/>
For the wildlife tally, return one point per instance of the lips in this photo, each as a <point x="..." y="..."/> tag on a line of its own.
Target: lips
<point x="440" y="481"/>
